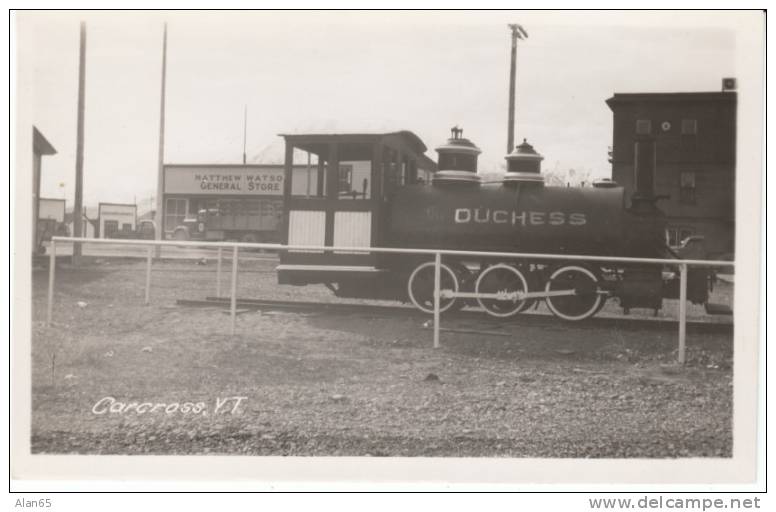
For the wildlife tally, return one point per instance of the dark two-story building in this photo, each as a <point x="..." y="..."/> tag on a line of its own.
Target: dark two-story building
<point x="695" y="135"/>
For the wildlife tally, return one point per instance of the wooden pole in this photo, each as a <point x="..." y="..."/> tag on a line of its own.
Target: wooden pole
<point x="159" y="232"/>
<point x="79" y="148"/>
<point x="512" y="72"/>
<point x="308" y="175"/>
<point x="218" y="271"/>
<point x="233" y="305"/>
<point x="149" y="259"/>
<point x="245" y="133"/>
<point x="52" y="270"/>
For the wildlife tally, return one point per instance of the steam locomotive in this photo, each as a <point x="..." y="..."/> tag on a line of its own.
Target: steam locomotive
<point x="457" y="211"/>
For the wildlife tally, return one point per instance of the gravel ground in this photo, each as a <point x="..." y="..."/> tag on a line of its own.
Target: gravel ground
<point x="354" y="384"/>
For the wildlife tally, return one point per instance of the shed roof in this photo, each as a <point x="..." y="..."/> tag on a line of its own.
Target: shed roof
<point x="665" y="97"/>
<point x="412" y="140"/>
<point x="41" y="146"/>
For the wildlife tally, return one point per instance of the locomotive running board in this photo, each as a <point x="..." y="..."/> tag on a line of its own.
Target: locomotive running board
<point x="514" y="296"/>
<point x="329" y="268"/>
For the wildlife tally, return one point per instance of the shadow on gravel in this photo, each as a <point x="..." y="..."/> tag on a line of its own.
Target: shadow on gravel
<point x="67" y="277"/>
<point x="541" y="341"/>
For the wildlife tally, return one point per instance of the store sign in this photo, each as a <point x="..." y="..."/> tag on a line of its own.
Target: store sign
<point x="51" y="209"/>
<point x="215" y="180"/>
<point x="113" y="212"/>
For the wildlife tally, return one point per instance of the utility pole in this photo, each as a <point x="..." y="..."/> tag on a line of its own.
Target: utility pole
<point x="517" y="33"/>
<point x="245" y="131"/>
<point x="79" y="147"/>
<point x="159" y="218"/>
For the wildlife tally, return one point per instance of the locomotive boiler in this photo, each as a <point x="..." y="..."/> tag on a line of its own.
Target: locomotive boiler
<point x="521" y="214"/>
<point x="517" y="214"/>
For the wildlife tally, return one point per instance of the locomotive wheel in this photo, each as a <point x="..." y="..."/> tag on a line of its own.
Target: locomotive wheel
<point x="586" y="303"/>
<point x="420" y="287"/>
<point x="497" y="278"/>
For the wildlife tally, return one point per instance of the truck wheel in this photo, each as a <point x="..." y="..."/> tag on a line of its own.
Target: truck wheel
<point x="182" y="236"/>
<point x="251" y="238"/>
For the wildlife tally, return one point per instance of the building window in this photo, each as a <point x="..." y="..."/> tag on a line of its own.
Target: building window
<point x="675" y="236"/>
<point x="111" y="227"/>
<point x="174" y="213"/>
<point x="345" y="179"/>
<point x="689" y="126"/>
<point x="643" y="127"/>
<point x="354" y="180"/>
<point x="687" y="188"/>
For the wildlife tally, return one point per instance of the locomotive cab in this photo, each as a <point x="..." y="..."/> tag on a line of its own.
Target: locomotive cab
<point x="342" y="199"/>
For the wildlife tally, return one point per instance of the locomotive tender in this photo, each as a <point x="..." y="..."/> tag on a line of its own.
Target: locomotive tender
<point x="457" y="211"/>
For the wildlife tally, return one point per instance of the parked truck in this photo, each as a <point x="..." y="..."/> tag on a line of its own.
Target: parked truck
<point x="249" y="221"/>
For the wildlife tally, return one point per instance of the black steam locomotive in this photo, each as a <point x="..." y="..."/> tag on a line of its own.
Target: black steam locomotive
<point x="457" y="211"/>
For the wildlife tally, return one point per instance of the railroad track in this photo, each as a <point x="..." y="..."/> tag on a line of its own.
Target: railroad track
<point x="526" y="319"/>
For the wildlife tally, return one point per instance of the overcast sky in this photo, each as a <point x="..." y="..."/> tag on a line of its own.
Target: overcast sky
<point x="421" y="71"/>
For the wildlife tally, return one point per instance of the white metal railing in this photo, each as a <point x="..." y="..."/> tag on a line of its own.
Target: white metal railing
<point x="235" y="246"/>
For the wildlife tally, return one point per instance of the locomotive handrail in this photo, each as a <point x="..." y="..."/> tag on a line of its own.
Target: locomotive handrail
<point x="437" y="253"/>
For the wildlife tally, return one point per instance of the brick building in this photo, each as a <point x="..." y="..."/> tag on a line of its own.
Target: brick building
<point x="695" y="135"/>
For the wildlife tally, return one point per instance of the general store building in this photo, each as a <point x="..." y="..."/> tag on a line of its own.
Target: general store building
<point x="256" y="189"/>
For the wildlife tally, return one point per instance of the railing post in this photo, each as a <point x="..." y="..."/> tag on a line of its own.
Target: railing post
<point x="234" y="287"/>
<point x="437" y="286"/>
<point x="149" y="258"/>
<point x="52" y="270"/>
<point x="682" y="312"/>
<point x="218" y="272"/>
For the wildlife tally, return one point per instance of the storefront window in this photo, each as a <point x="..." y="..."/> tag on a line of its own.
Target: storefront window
<point x="174" y="213"/>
